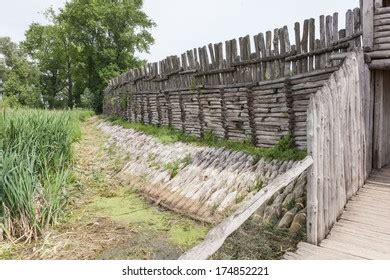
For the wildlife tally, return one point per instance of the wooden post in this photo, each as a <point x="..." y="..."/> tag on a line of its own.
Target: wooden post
<point x="378" y="161"/>
<point x="368" y="24"/>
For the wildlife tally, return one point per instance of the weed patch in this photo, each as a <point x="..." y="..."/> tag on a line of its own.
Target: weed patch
<point x="174" y="167"/>
<point x="258" y="185"/>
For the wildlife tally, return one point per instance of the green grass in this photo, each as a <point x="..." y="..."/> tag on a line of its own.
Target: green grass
<point x="35" y="168"/>
<point x="175" y="166"/>
<point x="284" y="150"/>
<point x="258" y="185"/>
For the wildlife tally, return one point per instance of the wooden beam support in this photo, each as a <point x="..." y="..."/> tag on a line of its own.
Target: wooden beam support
<point x="378" y="121"/>
<point x="368" y="24"/>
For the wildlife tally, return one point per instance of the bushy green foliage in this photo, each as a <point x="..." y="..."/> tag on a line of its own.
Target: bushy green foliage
<point x="10" y="102"/>
<point x="35" y="158"/>
<point x="85" y="44"/>
<point x="284" y="150"/>
<point x="19" y="76"/>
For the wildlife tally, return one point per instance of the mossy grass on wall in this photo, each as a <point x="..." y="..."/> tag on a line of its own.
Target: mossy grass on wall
<point x="284" y="150"/>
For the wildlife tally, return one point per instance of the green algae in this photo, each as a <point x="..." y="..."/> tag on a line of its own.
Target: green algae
<point x="187" y="235"/>
<point x="133" y="211"/>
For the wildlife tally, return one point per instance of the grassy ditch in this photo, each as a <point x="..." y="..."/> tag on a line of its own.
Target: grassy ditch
<point x="107" y="216"/>
<point x="35" y="161"/>
<point x="284" y="150"/>
<point x="255" y="240"/>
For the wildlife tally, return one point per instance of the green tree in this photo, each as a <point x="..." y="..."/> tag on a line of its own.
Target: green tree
<point x="19" y="75"/>
<point x="87" y="43"/>
<point x="49" y="47"/>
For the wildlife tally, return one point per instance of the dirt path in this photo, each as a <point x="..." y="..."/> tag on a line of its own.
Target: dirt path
<point x="108" y="219"/>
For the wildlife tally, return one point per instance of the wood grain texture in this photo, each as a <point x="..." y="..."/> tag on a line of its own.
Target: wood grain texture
<point x="337" y="140"/>
<point x="362" y="232"/>
<point x="157" y="92"/>
<point x="216" y="237"/>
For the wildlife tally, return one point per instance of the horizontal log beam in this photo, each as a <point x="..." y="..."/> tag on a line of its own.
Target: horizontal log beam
<point x="380" y="64"/>
<point x="381" y="11"/>
<point x="319" y="52"/>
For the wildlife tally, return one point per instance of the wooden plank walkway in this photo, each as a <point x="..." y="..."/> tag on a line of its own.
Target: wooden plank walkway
<point x="363" y="230"/>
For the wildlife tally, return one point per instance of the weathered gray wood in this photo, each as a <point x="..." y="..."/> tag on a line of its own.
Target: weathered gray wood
<point x="378" y="4"/>
<point x="328" y="35"/>
<point x="336" y="140"/>
<point x="268" y="53"/>
<point x="294" y="69"/>
<point x="263" y="55"/>
<point x="382" y="40"/>
<point x="349" y="25"/>
<point x="381" y="11"/>
<point x="379" y="29"/>
<point x="320" y="51"/>
<point x="312" y="39"/>
<point x="379" y="54"/>
<point x="216" y="237"/>
<point x="379" y="160"/>
<point x="298" y="45"/>
<point x="339" y="56"/>
<point x="382" y="47"/>
<point x="276" y="53"/>
<point x="209" y="69"/>
<point x="317" y="57"/>
<point x="323" y="40"/>
<point x="212" y="56"/>
<point x="357" y="26"/>
<point x="361" y="232"/>
<point x="304" y="42"/>
<point x="286" y="49"/>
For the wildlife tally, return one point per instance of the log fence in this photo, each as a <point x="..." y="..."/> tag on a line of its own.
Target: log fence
<point x="319" y="90"/>
<point x="237" y="92"/>
<point x="339" y="140"/>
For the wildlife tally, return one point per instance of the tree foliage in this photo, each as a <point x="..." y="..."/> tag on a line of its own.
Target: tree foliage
<point x="18" y="75"/>
<point x="86" y="43"/>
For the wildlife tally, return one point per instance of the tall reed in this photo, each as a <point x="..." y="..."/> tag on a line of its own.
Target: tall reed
<point x="35" y="158"/>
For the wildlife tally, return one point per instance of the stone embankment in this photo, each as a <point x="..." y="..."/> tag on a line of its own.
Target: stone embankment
<point x="203" y="182"/>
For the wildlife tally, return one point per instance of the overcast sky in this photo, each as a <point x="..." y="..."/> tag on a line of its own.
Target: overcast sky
<point x="185" y="24"/>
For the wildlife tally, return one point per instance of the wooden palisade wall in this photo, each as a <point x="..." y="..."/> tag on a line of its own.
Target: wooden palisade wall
<point x="339" y="140"/>
<point x="235" y="91"/>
